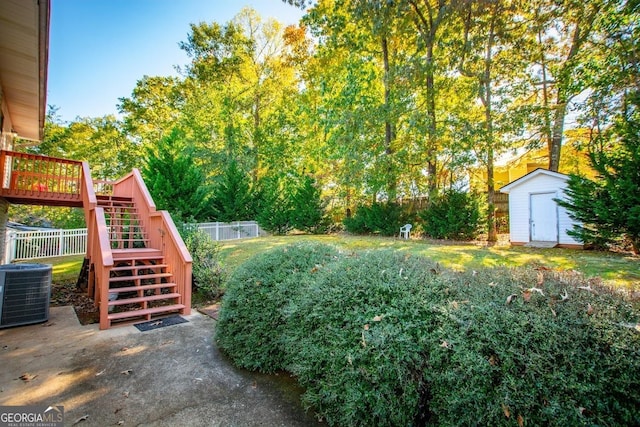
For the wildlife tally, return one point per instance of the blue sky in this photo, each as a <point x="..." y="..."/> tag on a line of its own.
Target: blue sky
<point x="99" y="49"/>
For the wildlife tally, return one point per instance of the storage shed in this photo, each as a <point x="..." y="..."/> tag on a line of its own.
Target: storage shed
<point x="534" y="217"/>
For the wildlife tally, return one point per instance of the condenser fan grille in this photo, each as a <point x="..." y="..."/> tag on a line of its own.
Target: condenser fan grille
<point x="25" y="291"/>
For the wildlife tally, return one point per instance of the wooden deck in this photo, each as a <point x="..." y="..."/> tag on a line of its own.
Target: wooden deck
<point x="29" y="179"/>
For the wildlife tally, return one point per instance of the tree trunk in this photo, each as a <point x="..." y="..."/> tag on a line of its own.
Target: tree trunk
<point x="431" y="125"/>
<point x="389" y="127"/>
<point x="556" y="135"/>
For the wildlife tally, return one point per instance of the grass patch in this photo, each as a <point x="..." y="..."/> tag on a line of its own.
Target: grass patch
<point x="617" y="270"/>
<point x="65" y="269"/>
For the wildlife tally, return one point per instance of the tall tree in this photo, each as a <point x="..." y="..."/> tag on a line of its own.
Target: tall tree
<point x="563" y="31"/>
<point x="175" y="182"/>
<point x="490" y="57"/>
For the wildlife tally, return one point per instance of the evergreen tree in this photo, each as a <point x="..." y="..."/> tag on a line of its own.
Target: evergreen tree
<point x="274" y="212"/>
<point x="175" y="182"/>
<point x="307" y="208"/>
<point x="232" y="198"/>
<point x="609" y="207"/>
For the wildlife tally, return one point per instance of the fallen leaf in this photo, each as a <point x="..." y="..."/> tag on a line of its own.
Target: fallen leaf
<point x="538" y="290"/>
<point x="82" y="418"/>
<point x="444" y="344"/>
<point x="366" y="327"/>
<point x="26" y="377"/>
<point x="505" y="409"/>
<point x="127" y="372"/>
<point x="314" y="269"/>
<point x="540" y="278"/>
<point x="125" y="393"/>
<point x="120" y="423"/>
<point x="588" y="289"/>
<point x="493" y="361"/>
<point x="363" y="342"/>
<point x="589" y="309"/>
<point x="511" y="298"/>
<point x="492" y="284"/>
<point x="520" y="420"/>
<point x="454" y="304"/>
<point x="378" y="318"/>
<point x="124" y="349"/>
<point x="526" y="295"/>
<point x="101" y="372"/>
<point x="564" y="296"/>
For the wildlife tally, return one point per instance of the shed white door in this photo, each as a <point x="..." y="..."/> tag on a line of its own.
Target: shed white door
<point x="544" y="218"/>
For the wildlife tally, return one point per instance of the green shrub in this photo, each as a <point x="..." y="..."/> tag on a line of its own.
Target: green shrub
<point x="357" y="336"/>
<point x="382" y="338"/>
<point x="251" y="325"/>
<point x="547" y="360"/>
<point x="208" y="274"/>
<point x="379" y="218"/>
<point x="452" y="215"/>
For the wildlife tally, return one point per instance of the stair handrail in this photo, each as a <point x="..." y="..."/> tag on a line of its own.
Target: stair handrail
<point x="102" y="260"/>
<point x="162" y="232"/>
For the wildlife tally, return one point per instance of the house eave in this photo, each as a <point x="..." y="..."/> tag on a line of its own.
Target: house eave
<point x="24" y="53"/>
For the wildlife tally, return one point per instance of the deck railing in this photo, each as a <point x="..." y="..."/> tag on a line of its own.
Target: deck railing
<point x="162" y="232"/>
<point x="31" y="173"/>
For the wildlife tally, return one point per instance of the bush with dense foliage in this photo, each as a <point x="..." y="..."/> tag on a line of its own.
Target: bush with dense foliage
<point x="379" y="218"/>
<point x="453" y="215"/>
<point x="251" y="326"/>
<point x="383" y="338"/>
<point x="608" y="208"/>
<point x="208" y="274"/>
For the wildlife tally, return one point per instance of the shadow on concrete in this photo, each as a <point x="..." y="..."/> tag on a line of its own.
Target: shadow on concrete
<point x="173" y="376"/>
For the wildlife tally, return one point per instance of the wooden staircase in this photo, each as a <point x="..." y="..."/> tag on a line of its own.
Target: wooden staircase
<point x="141" y="284"/>
<point x="136" y="265"/>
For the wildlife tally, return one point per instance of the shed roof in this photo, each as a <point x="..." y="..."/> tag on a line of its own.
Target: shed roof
<point x="523" y="179"/>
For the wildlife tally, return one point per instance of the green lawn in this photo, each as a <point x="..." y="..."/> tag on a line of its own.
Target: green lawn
<point x="618" y="270"/>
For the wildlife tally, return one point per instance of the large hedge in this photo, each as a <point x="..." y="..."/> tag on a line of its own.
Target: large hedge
<point x="383" y="338"/>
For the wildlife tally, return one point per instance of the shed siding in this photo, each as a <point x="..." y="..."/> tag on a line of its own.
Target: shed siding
<point x="519" y="208"/>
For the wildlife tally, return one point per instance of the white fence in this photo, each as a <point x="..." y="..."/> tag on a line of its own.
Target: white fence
<point x="231" y="230"/>
<point x="26" y="245"/>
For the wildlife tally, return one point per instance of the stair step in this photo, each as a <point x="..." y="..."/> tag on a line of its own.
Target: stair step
<point x="112" y="197"/>
<point x="146" y="311"/>
<point x="139" y="267"/>
<point x="142" y="288"/>
<point x="127" y="232"/>
<point x="136" y="254"/>
<point x="139" y="277"/>
<point x="143" y="299"/>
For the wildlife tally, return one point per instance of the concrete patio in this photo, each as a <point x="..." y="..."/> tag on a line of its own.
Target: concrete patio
<point x="172" y="376"/>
